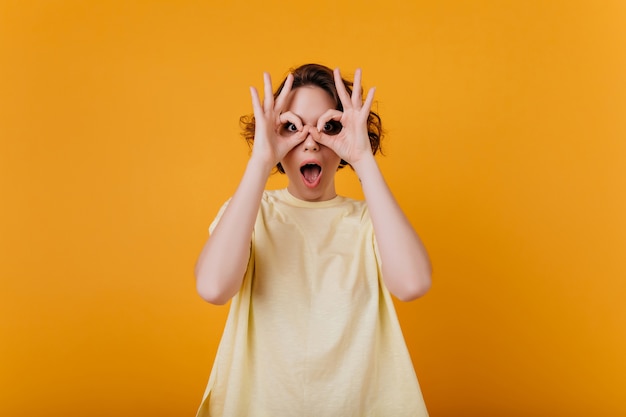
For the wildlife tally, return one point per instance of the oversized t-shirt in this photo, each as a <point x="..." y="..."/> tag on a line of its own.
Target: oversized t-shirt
<point x="313" y="330"/>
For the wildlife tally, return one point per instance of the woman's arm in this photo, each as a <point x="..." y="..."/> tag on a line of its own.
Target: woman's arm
<point x="222" y="263"/>
<point x="405" y="264"/>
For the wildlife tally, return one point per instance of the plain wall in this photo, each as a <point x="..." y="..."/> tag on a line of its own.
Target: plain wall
<point x="506" y="146"/>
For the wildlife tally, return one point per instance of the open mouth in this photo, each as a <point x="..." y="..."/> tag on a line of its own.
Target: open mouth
<point x="311" y="173"/>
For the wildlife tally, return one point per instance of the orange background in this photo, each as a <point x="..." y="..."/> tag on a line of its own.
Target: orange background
<point x="506" y="146"/>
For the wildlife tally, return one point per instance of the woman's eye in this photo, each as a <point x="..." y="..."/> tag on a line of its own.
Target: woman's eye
<point x="290" y="127"/>
<point x="332" y="127"/>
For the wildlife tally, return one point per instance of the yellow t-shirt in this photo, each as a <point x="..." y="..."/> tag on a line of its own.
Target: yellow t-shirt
<point x="313" y="330"/>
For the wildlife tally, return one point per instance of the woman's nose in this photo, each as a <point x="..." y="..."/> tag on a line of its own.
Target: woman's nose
<point x="309" y="142"/>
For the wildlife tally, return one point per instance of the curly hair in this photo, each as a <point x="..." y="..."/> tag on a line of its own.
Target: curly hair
<point x="322" y="77"/>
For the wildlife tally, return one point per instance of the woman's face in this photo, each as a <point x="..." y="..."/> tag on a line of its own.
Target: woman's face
<point x="310" y="166"/>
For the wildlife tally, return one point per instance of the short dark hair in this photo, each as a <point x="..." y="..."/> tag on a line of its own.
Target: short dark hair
<point x="319" y="76"/>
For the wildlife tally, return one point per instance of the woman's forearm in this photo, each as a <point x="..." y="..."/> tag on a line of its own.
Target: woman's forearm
<point x="223" y="261"/>
<point x="405" y="263"/>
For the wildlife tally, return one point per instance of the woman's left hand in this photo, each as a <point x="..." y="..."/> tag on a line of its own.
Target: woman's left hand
<point x="351" y="143"/>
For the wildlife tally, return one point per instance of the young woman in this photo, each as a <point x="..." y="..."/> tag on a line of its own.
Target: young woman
<point x="312" y="329"/>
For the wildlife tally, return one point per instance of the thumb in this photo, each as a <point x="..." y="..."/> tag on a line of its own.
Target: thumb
<point x="322" y="138"/>
<point x="294" y="140"/>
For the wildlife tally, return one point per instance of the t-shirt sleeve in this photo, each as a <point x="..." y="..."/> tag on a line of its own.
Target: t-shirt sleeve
<point x="370" y="227"/>
<point x="377" y="254"/>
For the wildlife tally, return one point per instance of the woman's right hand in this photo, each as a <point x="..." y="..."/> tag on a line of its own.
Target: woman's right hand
<point x="276" y="133"/>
